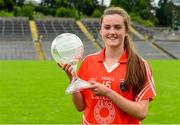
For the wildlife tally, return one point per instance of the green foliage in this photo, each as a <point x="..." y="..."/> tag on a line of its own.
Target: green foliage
<point x="27" y="10"/>
<point x="65" y="12"/>
<point x="2" y="4"/>
<point x="141" y="9"/>
<point x="9" y="5"/>
<point x="96" y="13"/>
<point x="164" y="15"/>
<point x="168" y="14"/>
<point x="49" y="3"/>
<point x="135" y="17"/>
<point x="122" y="3"/>
<point x="45" y="10"/>
<point x="17" y="11"/>
<point x="5" y="14"/>
<point x="85" y="6"/>
<point x="61" y="3"/>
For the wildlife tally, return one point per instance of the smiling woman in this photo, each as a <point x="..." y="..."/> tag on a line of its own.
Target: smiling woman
<point x="121" y="81"/>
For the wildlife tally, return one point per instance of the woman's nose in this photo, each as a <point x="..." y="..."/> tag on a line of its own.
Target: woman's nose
<point x="112" y="31"/>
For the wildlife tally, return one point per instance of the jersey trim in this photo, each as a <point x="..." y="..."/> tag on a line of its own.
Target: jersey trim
<point x="110" y="68"/>
<point x="84" y="121"/>
<point x="149" y="85"/>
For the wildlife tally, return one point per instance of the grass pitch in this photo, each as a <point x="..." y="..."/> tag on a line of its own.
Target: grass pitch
<point x="165" y="109"/>
<point x="33" y="92"/>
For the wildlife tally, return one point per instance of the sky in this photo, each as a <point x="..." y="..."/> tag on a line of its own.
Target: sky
<point x="107" y="2"/>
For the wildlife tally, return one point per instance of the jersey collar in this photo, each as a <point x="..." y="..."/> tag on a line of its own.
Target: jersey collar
<point x="101" y="55"/>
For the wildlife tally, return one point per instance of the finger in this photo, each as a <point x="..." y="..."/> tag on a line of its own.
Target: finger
<point x="95" y="89"/>
<point x="66" y="67"/>
<point x="94" y="83"/>
<point x="95" y="93"/>
<point x="60" y="65"/>
<point x="92" y="87"/>
<point x="71" y="70"/>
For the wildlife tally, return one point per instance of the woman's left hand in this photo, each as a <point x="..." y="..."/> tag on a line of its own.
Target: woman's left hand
<point x="99" y="89"/>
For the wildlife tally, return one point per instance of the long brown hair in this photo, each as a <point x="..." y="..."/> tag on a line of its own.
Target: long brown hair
<point x="136" y="74"/>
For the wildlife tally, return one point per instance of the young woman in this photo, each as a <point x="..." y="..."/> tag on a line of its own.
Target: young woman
<point x="121" y="81"/>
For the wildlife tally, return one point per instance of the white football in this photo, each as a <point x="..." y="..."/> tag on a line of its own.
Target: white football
<point x="34" y="2"/>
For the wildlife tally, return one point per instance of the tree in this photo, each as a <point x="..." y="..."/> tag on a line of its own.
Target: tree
<point x="9" y="5"/>
<point x="2" y="4"/>
<point x="65" y="12"/>
<point x="49" y="3"/>
<point x="126" y="4"/>
<point x="141" y="9"/>
<point x="167" y="13"/>
<point x="85" y="6"/>
<point x="27" y="11"/>
<point x="61" y="3"/>
<point x="97" y="13"/>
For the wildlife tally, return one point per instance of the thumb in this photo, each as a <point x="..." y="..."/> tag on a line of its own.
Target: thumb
<point x="73" y="72"/>
<point x="94" y="82"/>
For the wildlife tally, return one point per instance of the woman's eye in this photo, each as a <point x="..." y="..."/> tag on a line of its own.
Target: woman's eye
<point x="107" y="27"/>
<point x="117" y="27"/>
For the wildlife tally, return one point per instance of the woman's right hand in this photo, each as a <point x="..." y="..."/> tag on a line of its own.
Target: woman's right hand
<point x="68" y="69"/>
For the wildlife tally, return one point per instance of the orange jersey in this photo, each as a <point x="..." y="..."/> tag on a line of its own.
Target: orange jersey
<point x="99" y="109"/>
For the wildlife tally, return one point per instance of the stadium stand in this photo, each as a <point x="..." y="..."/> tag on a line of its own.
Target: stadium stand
<point x="14" y="29"/>
<point x="169" y="47"/>
<point x="166" y="35"/>
<point x="16" y="42"/>
<point x="134" y="37"/>
<point x="168" y="41"/>
<point x="17" y="50"/>
<point x="148" y="51"/>
<point x="15" y="39"/>
<point x="147" y="32"/>
<point x="48" y="29"/>
<point x="93" y="26"/>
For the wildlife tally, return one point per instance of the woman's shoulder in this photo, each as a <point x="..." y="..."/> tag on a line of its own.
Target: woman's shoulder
<point x="92" y="56"/>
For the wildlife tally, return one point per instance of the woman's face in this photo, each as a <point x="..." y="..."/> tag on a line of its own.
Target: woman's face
<point x="113" y="30"/>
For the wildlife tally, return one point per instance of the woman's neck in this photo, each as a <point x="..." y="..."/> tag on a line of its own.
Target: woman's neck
<point x="112" y="55"/>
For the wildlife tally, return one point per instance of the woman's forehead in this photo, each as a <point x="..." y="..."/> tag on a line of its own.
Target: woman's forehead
<point x="114" y="18"/>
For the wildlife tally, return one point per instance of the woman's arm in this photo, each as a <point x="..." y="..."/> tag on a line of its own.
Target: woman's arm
<point x="78" y="101"/>
<point x="136" y="109"/>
